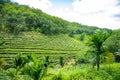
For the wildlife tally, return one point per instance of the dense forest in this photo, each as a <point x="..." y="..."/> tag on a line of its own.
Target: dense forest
<point x="37" y="46"/>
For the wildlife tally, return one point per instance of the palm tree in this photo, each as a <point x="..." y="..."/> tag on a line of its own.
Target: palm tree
<point x="35" y="68"/>
<point x="96" y="42"/>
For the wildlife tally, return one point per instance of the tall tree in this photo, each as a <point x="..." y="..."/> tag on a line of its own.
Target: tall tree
<point x="96" y="42"/>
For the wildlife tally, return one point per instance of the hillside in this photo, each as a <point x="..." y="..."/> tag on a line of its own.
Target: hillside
<point x="40" y="44"/>
<point x="15" y="18"/>
<point x="29" y="30"/>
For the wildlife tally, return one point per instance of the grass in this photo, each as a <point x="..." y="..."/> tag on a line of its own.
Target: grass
<point x="108" y="71"/>
<point x="84" y="72"/>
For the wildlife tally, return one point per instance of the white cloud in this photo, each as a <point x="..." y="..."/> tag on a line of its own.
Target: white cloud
<point x="90" y="6"/>
<point x="91" y="12"/>
<point x="97" y="12"/>
<point x="40" y="4"/>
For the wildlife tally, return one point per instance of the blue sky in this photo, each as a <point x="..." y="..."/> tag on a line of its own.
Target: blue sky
<point x="101" y="13"/>
<point x="61" y="3"/>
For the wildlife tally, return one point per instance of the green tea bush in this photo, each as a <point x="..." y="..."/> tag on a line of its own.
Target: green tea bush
<point x="98" y="75"/>
<point x="46" y="61"/>
<point x="2" y="61"/>
<point x="61" y="61"/>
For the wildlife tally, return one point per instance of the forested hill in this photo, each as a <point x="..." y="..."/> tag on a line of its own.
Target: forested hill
<point x="15" y="18"/>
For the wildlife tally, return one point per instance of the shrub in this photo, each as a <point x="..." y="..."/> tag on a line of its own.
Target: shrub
<point x="98" y="75"/>
<point x="2" y="61"/>
<point x="81" y="61"/>
<point x="113" y="70"/>
<point x="61" y="61"/>
<point x="46" y="61"/>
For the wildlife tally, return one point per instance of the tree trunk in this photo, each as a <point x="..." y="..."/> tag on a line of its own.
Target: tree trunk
<point x="94" y="63"/>
<point x="98" y="61"/>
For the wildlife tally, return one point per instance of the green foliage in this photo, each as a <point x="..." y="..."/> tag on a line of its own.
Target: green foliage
<point x="96" y="44"/>
<point x="84" y="72"/>
<point x="76" y="28"/>
<point x="2" y="75"/>
<point x="13" y="74"/>
<point x="117" y="56"/>
<point x="98" y="75"/>
<point x="113" y="44"/>
<point x="35" y="69"/>
<point x="14" y="23"/>
<point x="113" y="70"/>
<point x="71" y="34"/>
<point x="18" y="61"/>
<point x="82" y="60"/>
<point x="61" y="61"/>
<point x="57" y="77"/>
<point x="4" y="1"/>
<point x="110" y="58"/>
<point x="28" y="65"/>
<point x="2" y="42"/>
<point x="17" y="18"/>
<point x="82" y="36"/>
<point x="47" y="62"/>
<point x="2" y="61"/>
<point x="34" y="42"/>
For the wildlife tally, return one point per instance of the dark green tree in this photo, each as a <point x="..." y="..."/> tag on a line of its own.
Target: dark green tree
<point x="15" y="23"/>
<point x="82" y="36"/>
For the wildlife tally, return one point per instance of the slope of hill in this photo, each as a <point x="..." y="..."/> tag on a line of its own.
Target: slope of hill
<point x="40" y="44"/>
<point x="38" y="41"/>
<point x="15" y="18"/>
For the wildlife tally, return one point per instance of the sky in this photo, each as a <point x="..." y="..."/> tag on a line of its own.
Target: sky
<point x="100" y="13"/>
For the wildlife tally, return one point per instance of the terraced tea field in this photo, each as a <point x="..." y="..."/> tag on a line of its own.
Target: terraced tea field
<point x="40" y="44"/>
